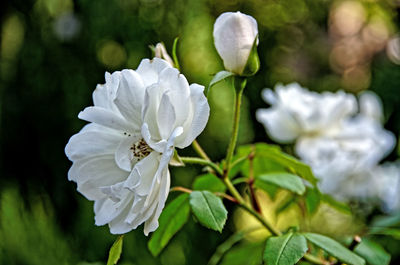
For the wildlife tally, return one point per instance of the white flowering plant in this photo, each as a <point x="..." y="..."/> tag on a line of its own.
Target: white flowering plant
<point x="141" y="118"/>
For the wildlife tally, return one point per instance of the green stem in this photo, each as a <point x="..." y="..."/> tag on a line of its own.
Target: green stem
<point x="239" y="87"/>
<point x="315" y="259"/>
<point x="244" y="205"/>
<point x="200" y="161"/>
<point x="233" y="191"/>
<point x="262" y="220"/>
<point x="199" y="150"/>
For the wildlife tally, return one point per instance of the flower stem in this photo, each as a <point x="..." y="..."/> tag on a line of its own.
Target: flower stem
<point x="250" y="210"/>
<point x="315" y="259"/>
<point x="262" y="220"/>
<point x="233" y="191"/>
<point x="239" y="85"/>
<point x="201" y="161"/>
<point x="182" y="189"/>
<point x="200" y="151"/>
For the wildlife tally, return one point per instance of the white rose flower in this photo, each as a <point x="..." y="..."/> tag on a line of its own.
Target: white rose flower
<point x="234" y="35"/>
<point x="120" y="160"/>
<point x="342" y="147"/>
<point x="343" y="159"/>
<point x="295" y="111"/>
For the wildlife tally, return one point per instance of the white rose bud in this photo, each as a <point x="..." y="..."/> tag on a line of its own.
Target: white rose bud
<point x="234" y="37"/>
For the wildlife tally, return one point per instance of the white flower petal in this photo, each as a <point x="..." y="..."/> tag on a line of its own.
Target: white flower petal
<point x="152" y="223"/>
<point x="130" y="97"/>
<point x="106" y="210"/>
<point x="197" y="117"/>
<point x="163" y="165"/>
<point x="133" y="217"/>
<point x="92" y="142"/>
<point x="234" y="35"/>
<point x="296" y="111"/>
<point x="371" y="106"/>
<point x="93" y="173"/>
<point x="269" y="96"/>
<point x="158" y="146"/>
<point x="166" y="117"/>
<point x="114" y="191"/>
<point x="124" y="157"/>
<point x="152" y="100"/>
<point x="106" y="118"/>
<point x="145" y="170"/>
<point x="104" y="95"/>
<point x="177" y="87"/>
<point x="280" y="125"/>
<point x="149" y="70"/>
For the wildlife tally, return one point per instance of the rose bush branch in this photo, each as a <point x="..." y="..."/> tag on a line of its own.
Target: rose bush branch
<point x="239" y="85"/>
<point x="204" y="162"/>
<point x="199" y="150"/>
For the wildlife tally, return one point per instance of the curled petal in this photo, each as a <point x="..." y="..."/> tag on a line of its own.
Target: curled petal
<point x="129" y="97"/>
<point x="197" y="117"/>
<point x="93" y="173"/>
<point x="92" y="140"/>
<point x="106" y="118"/>
<point x="104" y="95"/>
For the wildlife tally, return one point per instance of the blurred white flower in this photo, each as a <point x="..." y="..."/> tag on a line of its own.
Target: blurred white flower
<point x="387" y="179"/>
<point x="161" y="52"/>
<point x="120" y="160"/>
<point x="66" y="26"/>
<point x="342" y="157"/>
<point x="234" y="35"/>
<point x="342" y="146"/>
<point x="296" y="112"/>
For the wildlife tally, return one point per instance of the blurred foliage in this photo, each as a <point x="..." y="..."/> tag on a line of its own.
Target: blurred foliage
<point x="54" y="52"/>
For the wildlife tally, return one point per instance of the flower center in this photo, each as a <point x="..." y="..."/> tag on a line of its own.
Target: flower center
<point x="141" y="149"/>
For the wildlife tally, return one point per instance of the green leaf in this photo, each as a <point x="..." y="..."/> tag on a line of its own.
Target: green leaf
<point x="176" y="160"/>
<point x="270" y="158"/>
<point x="224" y="247"/>
<point x="383" y="222"/>
<point x="115" y="251"/>
<point x="208" y="209"/>
<point x="340" y="206"/>
<point x="372" y="252"/>
<point x="209" y="182"/>
<point x="393" y="232"/>
<point x="253" y="62"/>
<point x="285" y="250"/>
<point x="284" y="180"/>
<point x="248" y="254"/>
<point x="218" y="77"/>
<point x="172" y="218"/>
<point x="174" y="53"/>
<point x="261" y="163"/>
<point x="271" y="190"/>
<point x="312" y="200"/>
<point x="285" y="204"/>
<point x="335" y="249"/>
